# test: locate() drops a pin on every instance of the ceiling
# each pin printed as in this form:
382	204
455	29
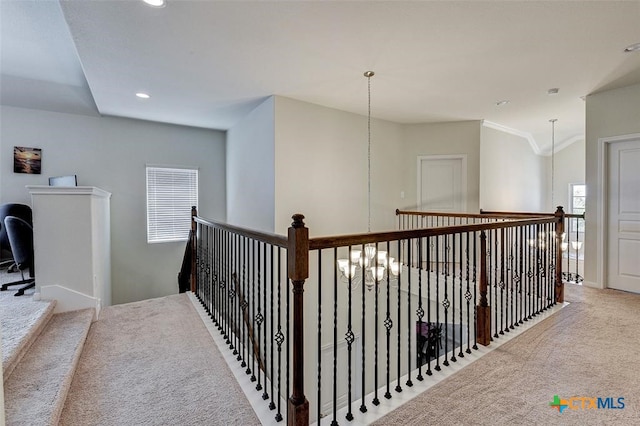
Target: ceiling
208	63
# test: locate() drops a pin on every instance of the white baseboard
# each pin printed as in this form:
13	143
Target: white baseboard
68	299
592	284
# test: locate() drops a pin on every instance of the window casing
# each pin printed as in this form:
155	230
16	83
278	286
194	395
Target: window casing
171	192
577	203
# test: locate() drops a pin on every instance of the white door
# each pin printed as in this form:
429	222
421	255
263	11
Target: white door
442	183
623	187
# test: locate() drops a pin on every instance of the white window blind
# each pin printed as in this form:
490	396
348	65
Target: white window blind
170	194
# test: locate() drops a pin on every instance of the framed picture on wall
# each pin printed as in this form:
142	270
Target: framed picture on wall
27	160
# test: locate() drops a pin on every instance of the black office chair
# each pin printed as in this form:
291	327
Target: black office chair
11	209
20	235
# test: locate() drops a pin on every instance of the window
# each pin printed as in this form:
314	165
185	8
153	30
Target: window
577	199
170	194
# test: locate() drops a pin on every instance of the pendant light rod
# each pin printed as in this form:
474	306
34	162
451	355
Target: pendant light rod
369	74
553	153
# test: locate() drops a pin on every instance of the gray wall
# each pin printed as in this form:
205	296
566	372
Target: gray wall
321	169
569	168
512	176
461	137
111	153
250	169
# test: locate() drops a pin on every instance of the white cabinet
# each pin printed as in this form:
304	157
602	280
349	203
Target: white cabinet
72	246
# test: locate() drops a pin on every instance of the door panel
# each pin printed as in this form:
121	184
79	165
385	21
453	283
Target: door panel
442	183
623	184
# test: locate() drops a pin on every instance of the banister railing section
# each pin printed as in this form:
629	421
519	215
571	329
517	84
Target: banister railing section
331	326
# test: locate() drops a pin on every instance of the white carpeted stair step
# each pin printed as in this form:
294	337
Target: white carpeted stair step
36	391
22	322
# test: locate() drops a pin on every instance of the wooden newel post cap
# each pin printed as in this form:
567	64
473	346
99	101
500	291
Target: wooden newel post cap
298	220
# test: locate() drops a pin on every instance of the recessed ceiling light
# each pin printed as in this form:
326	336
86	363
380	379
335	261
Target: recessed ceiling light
553	91
504	102
142	95
156	3
632	48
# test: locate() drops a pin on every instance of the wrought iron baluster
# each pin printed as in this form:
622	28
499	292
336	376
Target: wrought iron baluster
245	302
475	288
398	313
288	329
252	308
280	338
334	401
419	313
363	407
319	354
272	404
467	294
446	303
453	298
502	282
349	338
388	324
410	327
460	281
234	295
438	324
494	283
375	400
511	280
259	317
429	322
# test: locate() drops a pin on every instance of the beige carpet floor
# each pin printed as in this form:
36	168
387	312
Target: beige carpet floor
591	348
19	318
154	363
35	393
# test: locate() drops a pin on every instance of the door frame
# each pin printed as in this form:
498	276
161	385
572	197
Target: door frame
463	176
602	236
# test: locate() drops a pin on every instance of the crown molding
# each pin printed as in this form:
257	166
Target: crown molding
526	135
564	144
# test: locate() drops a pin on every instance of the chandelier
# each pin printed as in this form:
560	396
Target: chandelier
368	265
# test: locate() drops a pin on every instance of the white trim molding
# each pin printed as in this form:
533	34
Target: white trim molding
68	190
68	299
463	177
603	204
528	136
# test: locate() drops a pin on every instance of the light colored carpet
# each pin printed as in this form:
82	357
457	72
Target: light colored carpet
588	349
22	319
36	391
154	363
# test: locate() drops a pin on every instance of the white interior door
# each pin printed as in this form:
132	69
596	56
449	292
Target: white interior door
442	183
623	187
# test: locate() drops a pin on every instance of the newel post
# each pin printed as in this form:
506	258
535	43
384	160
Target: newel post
193	242
559	214
298	257
483	319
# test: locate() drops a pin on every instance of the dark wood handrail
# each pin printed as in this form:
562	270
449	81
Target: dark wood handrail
526	214
512	214
319	243
441	214
265	237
